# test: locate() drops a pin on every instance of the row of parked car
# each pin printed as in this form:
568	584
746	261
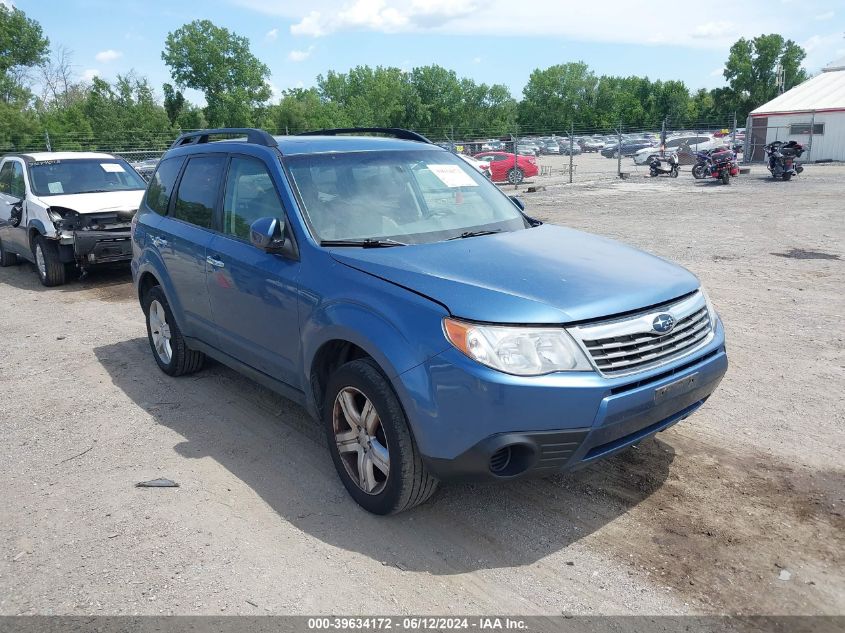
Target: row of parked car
387	287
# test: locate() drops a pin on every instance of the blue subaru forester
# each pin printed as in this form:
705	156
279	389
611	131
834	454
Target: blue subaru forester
435	330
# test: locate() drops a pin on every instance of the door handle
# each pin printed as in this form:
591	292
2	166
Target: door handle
213	261
159	242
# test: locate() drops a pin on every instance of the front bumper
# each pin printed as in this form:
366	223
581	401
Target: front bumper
471	422
96	247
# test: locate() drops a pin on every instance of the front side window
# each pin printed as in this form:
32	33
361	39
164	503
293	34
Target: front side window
197	194
409	196
12	180
162	183
83	175
250	195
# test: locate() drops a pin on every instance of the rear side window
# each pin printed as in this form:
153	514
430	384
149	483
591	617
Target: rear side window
250	195
162	183
197	194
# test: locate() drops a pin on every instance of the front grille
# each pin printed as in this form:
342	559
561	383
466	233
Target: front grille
629	345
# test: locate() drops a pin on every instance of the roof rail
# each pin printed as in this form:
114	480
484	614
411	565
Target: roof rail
396	132
254	136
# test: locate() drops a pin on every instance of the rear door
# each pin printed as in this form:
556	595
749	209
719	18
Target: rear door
254	294
182	238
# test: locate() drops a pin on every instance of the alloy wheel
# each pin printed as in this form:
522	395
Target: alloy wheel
40	261
360	439
160	332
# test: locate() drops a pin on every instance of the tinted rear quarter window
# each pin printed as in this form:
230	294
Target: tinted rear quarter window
162	183
197	194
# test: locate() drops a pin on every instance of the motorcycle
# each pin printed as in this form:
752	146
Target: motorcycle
723	165
657	168
783	157
703	164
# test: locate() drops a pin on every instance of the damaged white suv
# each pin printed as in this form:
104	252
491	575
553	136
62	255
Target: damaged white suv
66	211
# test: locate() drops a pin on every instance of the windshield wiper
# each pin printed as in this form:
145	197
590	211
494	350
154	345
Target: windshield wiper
367	243
96	191
467	234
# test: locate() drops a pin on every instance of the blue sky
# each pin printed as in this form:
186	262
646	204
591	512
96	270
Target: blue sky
487	40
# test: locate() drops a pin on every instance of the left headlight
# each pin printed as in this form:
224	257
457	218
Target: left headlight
711	311
523	351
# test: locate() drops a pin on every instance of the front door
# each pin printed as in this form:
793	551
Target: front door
254	294
12	200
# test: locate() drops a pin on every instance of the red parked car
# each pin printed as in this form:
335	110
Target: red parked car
502	169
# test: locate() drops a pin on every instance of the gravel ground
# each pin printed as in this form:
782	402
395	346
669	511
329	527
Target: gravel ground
736	510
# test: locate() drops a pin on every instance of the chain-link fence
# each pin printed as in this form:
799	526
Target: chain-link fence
545	153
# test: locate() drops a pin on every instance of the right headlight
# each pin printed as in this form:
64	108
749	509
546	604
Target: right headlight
523	351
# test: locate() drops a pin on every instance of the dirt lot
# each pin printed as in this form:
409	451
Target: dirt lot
736	510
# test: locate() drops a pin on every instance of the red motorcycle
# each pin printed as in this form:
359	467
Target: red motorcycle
723	165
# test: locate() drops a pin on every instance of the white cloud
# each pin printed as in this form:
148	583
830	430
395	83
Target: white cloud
275	90
609	21
825	16
89	74
272	35
300	56
476	60
104	57
717	72
7	3
712	30
821	50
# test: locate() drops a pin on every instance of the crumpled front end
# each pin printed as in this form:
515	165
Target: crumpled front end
93	238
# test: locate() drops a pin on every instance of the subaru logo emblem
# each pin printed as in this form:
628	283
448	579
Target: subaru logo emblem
663	323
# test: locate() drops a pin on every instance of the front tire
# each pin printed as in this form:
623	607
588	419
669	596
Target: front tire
51	270
370	441
675	171
726	177
171	353
7	258
516	176
698	171
787	176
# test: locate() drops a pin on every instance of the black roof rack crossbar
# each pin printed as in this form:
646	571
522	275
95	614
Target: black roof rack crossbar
396	132
254	136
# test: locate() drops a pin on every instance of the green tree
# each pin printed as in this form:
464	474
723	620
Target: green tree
751	70
219	63
558	97
22	46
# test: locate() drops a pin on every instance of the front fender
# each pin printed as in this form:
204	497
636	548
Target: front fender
39	226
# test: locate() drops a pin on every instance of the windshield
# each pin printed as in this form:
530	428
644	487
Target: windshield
411	197
88	175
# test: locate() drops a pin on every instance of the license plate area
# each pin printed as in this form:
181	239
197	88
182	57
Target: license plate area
687	383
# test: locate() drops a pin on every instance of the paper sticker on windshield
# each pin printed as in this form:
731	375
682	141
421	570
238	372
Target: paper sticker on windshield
452	176
55	187
112	168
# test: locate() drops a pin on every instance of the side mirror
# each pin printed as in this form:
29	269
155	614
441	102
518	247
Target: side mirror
16	214
267	234
518	202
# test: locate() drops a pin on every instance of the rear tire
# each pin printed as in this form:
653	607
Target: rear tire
7	258
365	423
787	176
698	171
515	176
675	171
51	270
171	353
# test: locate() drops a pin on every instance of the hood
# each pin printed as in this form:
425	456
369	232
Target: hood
96	202
548	274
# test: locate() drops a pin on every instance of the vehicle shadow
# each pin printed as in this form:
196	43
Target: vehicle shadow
25	277
280	453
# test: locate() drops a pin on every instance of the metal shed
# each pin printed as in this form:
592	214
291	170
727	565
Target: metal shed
812	113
